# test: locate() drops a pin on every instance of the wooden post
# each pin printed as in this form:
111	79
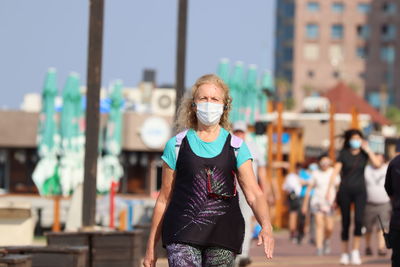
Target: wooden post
270	133
92	111
300	147
354	118
332	154
181	51
279	158
294	149
122	220
56	210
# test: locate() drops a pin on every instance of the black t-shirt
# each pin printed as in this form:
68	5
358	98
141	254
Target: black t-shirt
392	186
353	166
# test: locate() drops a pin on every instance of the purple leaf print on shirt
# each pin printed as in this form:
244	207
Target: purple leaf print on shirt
202	208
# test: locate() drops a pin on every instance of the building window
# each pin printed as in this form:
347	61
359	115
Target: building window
311	52
388	54
312	31
288	74
363	32
338	7
364	8
336	54
310	74
288	32
313	6
288	54
289	9
336	74
389	8
388	32
388	76
362	52
337	32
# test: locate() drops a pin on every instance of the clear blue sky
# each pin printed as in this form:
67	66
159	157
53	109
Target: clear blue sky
36	35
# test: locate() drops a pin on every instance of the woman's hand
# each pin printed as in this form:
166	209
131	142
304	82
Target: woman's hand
150	258
265	238
365	146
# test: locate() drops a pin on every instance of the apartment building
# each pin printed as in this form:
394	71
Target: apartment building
322	42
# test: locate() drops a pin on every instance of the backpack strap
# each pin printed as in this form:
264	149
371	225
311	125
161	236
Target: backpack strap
236	142
179	138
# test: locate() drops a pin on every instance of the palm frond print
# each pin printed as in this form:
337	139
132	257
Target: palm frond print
202	209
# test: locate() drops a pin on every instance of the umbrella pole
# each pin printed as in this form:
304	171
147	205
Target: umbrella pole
56	214
112	204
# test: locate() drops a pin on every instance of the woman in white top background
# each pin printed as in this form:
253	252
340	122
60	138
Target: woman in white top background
322	208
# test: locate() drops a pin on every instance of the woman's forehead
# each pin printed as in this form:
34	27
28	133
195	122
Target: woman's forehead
209	89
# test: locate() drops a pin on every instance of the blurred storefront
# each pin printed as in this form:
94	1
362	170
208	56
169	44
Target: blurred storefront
144	137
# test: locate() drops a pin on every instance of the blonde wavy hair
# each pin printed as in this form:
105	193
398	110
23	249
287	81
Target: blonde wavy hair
186	116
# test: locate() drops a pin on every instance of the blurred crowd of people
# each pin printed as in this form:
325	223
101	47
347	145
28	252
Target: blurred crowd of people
322	190
355	182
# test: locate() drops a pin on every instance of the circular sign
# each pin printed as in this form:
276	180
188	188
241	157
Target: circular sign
155	132
164	101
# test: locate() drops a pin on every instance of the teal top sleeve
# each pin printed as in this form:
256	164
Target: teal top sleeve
169	156
243	155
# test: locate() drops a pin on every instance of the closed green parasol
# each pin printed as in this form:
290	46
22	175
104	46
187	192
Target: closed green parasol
267	89
110	165
45	174
236	84
249	96
71	162
223	70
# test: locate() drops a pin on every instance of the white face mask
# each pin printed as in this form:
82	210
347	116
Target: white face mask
209	113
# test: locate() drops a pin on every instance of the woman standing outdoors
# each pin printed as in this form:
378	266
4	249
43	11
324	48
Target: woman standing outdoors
351	163
197	212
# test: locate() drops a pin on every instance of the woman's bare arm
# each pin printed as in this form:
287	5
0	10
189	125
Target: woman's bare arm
371	155
336	170
168	178
258	203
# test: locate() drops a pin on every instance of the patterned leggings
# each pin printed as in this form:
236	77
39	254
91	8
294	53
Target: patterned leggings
183	255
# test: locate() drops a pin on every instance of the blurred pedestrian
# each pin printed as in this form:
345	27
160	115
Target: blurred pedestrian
378	204
351	163
392	186
322	208
305	220
259	167
292	186
197	211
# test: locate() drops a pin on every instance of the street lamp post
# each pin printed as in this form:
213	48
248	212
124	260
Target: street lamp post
181	51
92	111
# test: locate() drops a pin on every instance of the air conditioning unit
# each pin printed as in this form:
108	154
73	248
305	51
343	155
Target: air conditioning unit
163	101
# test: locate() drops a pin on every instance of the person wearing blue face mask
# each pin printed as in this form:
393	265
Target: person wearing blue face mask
350	164
197	212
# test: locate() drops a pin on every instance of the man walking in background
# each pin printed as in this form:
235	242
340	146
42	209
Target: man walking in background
392	186
259	167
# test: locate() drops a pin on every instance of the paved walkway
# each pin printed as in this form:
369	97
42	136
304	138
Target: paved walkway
289	254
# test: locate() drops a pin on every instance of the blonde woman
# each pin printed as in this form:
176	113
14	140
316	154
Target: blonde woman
197	212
